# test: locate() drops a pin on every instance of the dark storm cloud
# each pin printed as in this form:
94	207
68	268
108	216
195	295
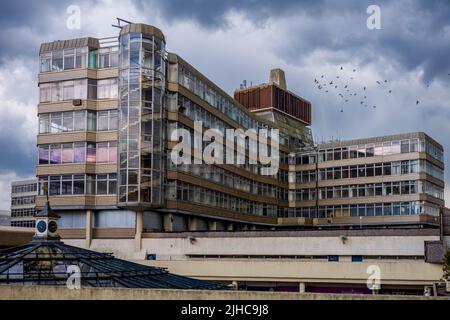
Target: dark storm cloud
412	33
23	22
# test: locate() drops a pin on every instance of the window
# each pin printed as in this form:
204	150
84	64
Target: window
44	154
102	152
67	122
113	120
102	184
113	152
57	61
102	121
69	59
404	146
67	153
55	186
78	184
79	152
55	154
66	185
56	123
44	123
46	62
79	121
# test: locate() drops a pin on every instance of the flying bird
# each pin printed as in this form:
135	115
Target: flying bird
417	102
364	88
342	68
374	107
378	82
354	70
331	82
390	91
385	81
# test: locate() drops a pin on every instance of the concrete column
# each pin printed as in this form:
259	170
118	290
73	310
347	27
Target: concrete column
230	226
89	227
235	285
193	223
212	225
139	231
302	287
168	222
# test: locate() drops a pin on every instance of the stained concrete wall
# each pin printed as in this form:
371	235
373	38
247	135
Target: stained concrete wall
87	293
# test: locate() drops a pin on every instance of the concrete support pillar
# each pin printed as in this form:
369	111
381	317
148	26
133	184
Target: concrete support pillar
193	223
235	285
89	227
212	225
168	222
253	228
302	287
230	226
139	231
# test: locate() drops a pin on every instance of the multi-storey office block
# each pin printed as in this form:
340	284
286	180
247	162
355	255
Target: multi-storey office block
23	203
107	113
392	180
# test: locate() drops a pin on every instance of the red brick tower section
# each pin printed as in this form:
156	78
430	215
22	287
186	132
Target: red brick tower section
275	95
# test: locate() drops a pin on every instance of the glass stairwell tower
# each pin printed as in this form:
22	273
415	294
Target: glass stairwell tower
142	79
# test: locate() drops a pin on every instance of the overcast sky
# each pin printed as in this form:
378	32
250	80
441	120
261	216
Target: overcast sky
230	41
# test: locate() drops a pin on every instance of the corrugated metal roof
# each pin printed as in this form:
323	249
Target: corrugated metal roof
70	44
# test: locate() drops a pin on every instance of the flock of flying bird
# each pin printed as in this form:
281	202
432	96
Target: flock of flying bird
342	85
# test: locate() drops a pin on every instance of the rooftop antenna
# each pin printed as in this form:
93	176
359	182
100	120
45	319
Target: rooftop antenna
245	83
119	23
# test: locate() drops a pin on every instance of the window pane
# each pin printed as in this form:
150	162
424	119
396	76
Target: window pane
66	186
79	153
44	123
102	187
90	153
67	122
57	61
55	154
43	154
55	186
102	152
56	122
113	120
80	121
113	152
69	62
67	153
102	123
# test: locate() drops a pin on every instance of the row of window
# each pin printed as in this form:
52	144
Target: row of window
231	180
368	150
209	120
80	184
238	155
73	121
368	170
78	152
19	213
20	201
23	224
366	210
187	192
24	188
385	189
215	99
79	89
79	58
